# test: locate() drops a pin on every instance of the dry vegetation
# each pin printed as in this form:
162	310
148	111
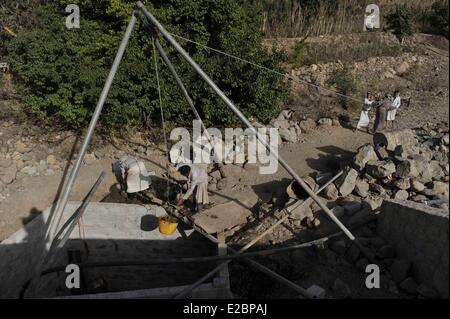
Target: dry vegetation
294	18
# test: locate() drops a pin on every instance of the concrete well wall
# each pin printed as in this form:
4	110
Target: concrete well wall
421	235
109	232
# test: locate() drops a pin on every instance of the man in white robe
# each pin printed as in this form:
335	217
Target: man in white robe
197	183
132	175
397	102
364	119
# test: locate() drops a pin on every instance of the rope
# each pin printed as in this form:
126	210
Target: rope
290	77
162	115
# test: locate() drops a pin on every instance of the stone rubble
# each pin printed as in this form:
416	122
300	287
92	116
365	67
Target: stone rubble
417	172
410	165
24	156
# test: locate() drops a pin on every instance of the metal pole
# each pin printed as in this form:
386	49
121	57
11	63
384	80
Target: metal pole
58	242
186	260
73	220
250	244
68	188
180	85
241	116
252	263
55	219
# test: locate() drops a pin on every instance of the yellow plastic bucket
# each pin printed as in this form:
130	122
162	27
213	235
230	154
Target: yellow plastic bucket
167	225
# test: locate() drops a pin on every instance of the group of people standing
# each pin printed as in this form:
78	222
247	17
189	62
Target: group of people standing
386	111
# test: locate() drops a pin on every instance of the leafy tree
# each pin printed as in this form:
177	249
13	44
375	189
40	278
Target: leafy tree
61	72
300	51
438	17
401	21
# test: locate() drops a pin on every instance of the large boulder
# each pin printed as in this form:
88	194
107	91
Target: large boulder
402	183
380	169
440	188
377	188
424	170
401	195
289	135
331	192
417	186
445	139
281	124
362	188
406	169
347	182
436	170
391	140
308	125
364	155
381	153
373	202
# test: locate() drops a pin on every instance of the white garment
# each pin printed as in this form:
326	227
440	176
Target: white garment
364	119
133	173
396	103
197	177
181	153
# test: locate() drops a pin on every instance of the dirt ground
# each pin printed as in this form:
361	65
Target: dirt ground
40	192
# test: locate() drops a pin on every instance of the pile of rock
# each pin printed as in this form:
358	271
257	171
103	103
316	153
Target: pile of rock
22	156
375	68
224	177
404	165
291	131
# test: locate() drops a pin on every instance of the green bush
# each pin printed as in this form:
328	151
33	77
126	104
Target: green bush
401	21
61	72
299	54
345	83
438	18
